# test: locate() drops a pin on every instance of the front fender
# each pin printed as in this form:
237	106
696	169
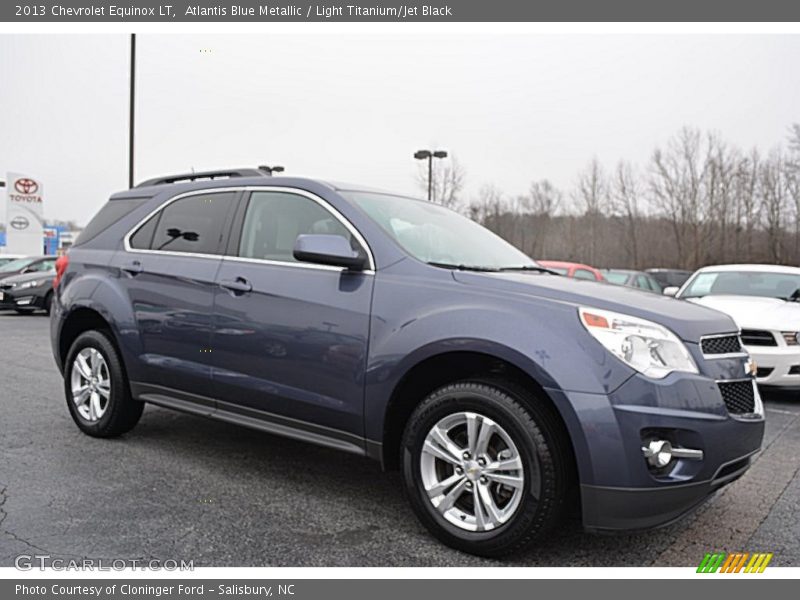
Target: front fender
542	338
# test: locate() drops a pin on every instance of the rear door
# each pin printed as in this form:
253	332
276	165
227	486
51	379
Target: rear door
290	338
169	270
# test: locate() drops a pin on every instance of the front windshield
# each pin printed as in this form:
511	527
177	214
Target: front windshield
16	265
437	235
616	277
785	286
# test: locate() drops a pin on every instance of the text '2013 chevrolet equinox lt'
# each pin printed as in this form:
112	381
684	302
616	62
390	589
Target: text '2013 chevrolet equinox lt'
400	330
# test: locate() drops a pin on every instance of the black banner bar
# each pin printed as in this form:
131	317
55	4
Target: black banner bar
730	588
174	11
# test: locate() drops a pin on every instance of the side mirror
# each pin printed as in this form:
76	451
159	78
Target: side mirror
325	249
671	291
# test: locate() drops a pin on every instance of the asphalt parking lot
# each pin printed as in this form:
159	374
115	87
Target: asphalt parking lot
183	487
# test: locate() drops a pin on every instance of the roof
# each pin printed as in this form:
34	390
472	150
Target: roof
181	186
753	267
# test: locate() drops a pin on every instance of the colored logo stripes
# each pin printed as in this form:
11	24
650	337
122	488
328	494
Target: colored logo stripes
734	562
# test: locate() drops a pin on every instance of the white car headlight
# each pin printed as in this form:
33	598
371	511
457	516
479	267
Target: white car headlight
648	347
29	284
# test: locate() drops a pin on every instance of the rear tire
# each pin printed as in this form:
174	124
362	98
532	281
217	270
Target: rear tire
496	511
96	388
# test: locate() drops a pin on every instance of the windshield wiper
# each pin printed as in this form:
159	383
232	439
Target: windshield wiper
463	267
530	268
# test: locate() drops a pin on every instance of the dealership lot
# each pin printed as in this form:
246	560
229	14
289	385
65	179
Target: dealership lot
182	487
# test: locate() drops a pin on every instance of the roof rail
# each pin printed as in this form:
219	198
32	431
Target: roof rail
261	171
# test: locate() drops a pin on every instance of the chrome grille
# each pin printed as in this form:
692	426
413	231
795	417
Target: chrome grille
721	344
756	337
739	396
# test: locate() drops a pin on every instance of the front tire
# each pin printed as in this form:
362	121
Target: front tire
96	387
485	467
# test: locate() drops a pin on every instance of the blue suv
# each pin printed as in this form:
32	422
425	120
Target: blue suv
400	330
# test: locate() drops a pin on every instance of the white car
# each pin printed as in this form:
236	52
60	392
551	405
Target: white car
764	300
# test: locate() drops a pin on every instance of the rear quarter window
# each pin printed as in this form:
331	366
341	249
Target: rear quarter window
113	211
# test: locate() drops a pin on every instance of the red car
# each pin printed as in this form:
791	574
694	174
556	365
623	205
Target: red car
571	269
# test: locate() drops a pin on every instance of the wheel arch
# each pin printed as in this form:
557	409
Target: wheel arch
437	369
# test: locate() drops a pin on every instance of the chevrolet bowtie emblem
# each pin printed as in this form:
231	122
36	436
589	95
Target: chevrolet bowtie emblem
750	368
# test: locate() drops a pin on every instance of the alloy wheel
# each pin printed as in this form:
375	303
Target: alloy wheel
473	473
91	384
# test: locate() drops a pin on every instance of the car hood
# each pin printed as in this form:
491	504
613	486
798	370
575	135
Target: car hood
685	319
17	279
752	312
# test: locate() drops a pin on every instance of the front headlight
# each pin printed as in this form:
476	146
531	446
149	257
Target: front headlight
29	284
648	347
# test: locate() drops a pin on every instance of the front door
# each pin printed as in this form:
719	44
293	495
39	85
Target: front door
290	338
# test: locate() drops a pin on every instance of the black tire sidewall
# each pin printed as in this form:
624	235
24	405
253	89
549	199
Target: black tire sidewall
524	430
106	425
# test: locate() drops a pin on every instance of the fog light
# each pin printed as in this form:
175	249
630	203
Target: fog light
659	453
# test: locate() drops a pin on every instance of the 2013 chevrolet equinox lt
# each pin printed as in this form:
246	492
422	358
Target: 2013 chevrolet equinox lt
398	329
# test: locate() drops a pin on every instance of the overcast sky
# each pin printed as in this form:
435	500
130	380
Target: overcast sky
512	108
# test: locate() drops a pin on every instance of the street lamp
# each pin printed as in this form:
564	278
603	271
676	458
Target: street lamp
430	155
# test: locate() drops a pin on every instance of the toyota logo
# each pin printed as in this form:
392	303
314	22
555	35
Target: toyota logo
19	223
26	186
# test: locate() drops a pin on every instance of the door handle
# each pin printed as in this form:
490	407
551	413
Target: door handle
238	286
133	268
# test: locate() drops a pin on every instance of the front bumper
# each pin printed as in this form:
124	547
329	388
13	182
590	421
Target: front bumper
619	490
783	363
26	299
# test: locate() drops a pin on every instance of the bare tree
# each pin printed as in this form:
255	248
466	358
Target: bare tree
793	184
447	181
772	184
542	203
592	195
626	201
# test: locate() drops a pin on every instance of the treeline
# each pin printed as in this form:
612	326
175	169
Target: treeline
697	200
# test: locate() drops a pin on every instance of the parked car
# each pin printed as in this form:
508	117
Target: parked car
27	293
764	300
7	258
28	264
669	277
635	279
571	269
400	330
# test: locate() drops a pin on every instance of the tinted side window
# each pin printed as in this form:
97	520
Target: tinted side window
112	212
274	220
584	274
143	238
193	224
44	265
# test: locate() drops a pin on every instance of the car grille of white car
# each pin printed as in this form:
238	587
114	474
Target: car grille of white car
757	337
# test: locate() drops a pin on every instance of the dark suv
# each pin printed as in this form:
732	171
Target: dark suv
400	330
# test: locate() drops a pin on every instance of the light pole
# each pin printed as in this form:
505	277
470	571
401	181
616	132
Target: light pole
132	114
430	155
